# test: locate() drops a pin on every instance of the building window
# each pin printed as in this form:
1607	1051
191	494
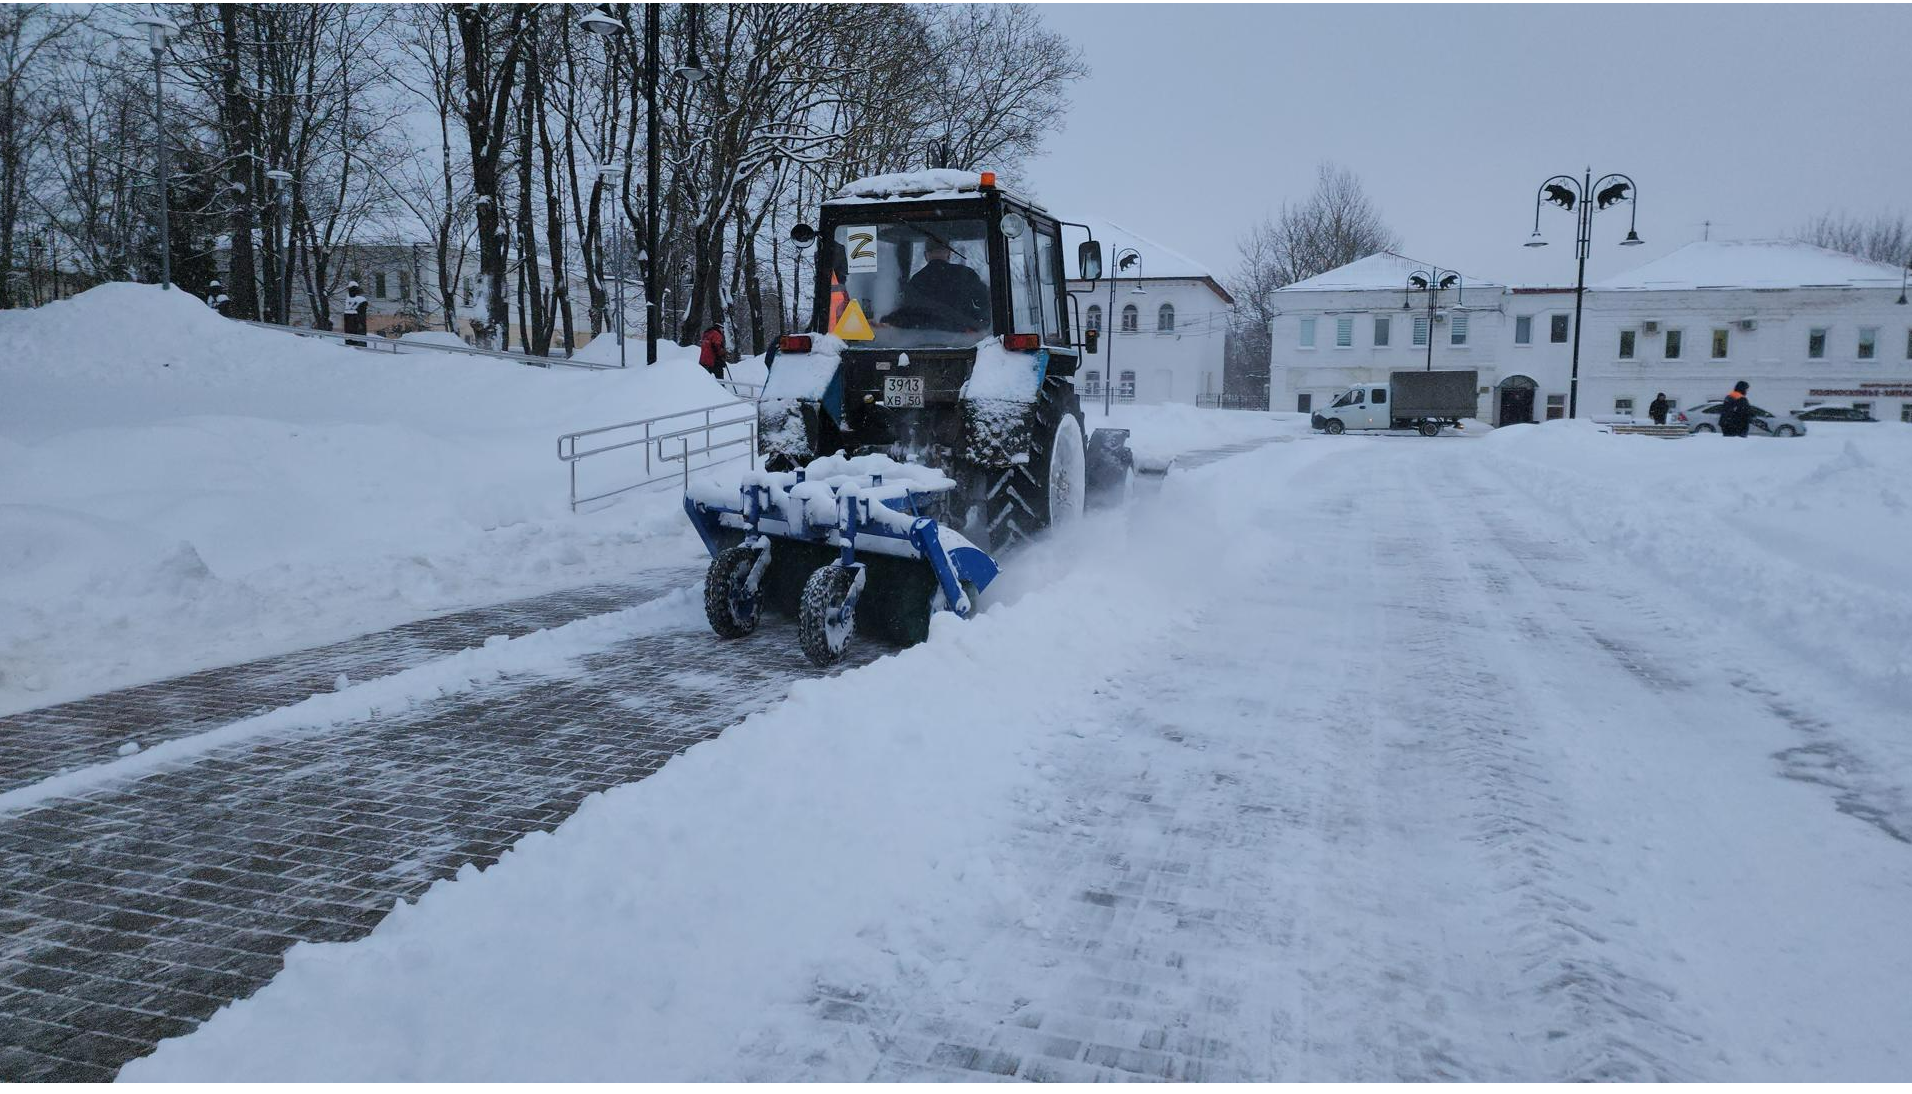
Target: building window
1908	344
1129	315
1719	343
1344	332
1307	334
1816	343
1905	412
1673	345
1457	330
1863	408
1125	391
1557	332
1420	330
466	291
378	284
1626	345
1165	317
1623	406
404	285
1093	321
1868	343
1092	382
1304	403
1382	323
1523	330
1556	407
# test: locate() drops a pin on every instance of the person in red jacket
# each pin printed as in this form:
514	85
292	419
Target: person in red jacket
712	354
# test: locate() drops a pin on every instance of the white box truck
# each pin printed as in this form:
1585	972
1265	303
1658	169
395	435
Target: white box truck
1409	400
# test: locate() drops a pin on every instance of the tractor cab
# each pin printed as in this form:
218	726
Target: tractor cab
944	336
942	260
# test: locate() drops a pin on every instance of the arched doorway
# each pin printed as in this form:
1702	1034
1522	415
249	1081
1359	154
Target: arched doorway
1516	400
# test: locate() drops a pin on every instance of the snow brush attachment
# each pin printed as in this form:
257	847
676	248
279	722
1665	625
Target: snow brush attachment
846	545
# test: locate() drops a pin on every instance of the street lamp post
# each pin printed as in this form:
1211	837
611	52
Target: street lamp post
610	172
158	29
608	28
1583	196
282	202
1121	260
1431	281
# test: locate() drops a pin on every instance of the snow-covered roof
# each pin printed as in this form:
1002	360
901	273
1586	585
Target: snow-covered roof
1380	270
1755	264
1158	263
914	184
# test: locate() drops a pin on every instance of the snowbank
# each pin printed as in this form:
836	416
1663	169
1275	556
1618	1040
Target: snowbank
1805	538
1159	432
178	490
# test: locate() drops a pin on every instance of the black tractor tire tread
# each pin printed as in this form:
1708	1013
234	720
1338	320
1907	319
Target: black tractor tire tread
730	568
1017	503
826	588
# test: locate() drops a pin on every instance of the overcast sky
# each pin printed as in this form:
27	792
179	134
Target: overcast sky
1197	120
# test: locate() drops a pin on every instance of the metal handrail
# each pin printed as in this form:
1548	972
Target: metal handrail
379	341
653	439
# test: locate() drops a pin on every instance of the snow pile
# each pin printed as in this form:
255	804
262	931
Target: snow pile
1803	538
913	184
440	338
179	490
1004	375
1160	432
805	375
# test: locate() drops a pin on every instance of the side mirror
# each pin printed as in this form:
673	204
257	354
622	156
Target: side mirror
1090	340
1089	260
804	236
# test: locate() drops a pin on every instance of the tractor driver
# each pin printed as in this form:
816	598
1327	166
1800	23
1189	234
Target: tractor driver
949	295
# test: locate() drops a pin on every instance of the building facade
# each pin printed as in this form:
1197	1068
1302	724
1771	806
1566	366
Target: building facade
1163	323
1802	325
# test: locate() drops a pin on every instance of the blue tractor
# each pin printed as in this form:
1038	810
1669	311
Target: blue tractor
926	427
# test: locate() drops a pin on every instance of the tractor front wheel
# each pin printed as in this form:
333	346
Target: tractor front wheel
731	604
827	614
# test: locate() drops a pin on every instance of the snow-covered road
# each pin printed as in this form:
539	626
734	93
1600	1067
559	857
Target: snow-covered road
1341	759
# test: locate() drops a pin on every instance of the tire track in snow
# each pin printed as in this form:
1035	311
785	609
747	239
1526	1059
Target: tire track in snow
1604	1018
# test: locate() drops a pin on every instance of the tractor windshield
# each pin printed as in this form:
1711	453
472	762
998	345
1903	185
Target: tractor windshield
906	284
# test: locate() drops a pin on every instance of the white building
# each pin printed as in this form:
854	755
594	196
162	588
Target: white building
1803	325
1359	322
1170	321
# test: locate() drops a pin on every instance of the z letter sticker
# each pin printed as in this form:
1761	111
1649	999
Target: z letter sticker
861	243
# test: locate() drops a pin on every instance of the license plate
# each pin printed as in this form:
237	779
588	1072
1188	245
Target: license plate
902	391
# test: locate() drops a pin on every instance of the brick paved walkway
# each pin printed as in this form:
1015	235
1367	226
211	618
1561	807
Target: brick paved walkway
40	743
130	914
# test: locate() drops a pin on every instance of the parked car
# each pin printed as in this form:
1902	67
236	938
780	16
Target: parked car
1833	414
1704	418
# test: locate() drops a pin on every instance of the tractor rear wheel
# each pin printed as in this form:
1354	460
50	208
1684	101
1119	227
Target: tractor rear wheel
1050	486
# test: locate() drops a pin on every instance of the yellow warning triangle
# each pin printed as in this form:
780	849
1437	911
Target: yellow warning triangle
851	326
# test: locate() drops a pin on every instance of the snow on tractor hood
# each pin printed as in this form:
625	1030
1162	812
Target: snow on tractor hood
805	375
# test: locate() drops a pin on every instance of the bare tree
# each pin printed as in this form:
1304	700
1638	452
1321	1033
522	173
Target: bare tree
1883	238
1336	225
